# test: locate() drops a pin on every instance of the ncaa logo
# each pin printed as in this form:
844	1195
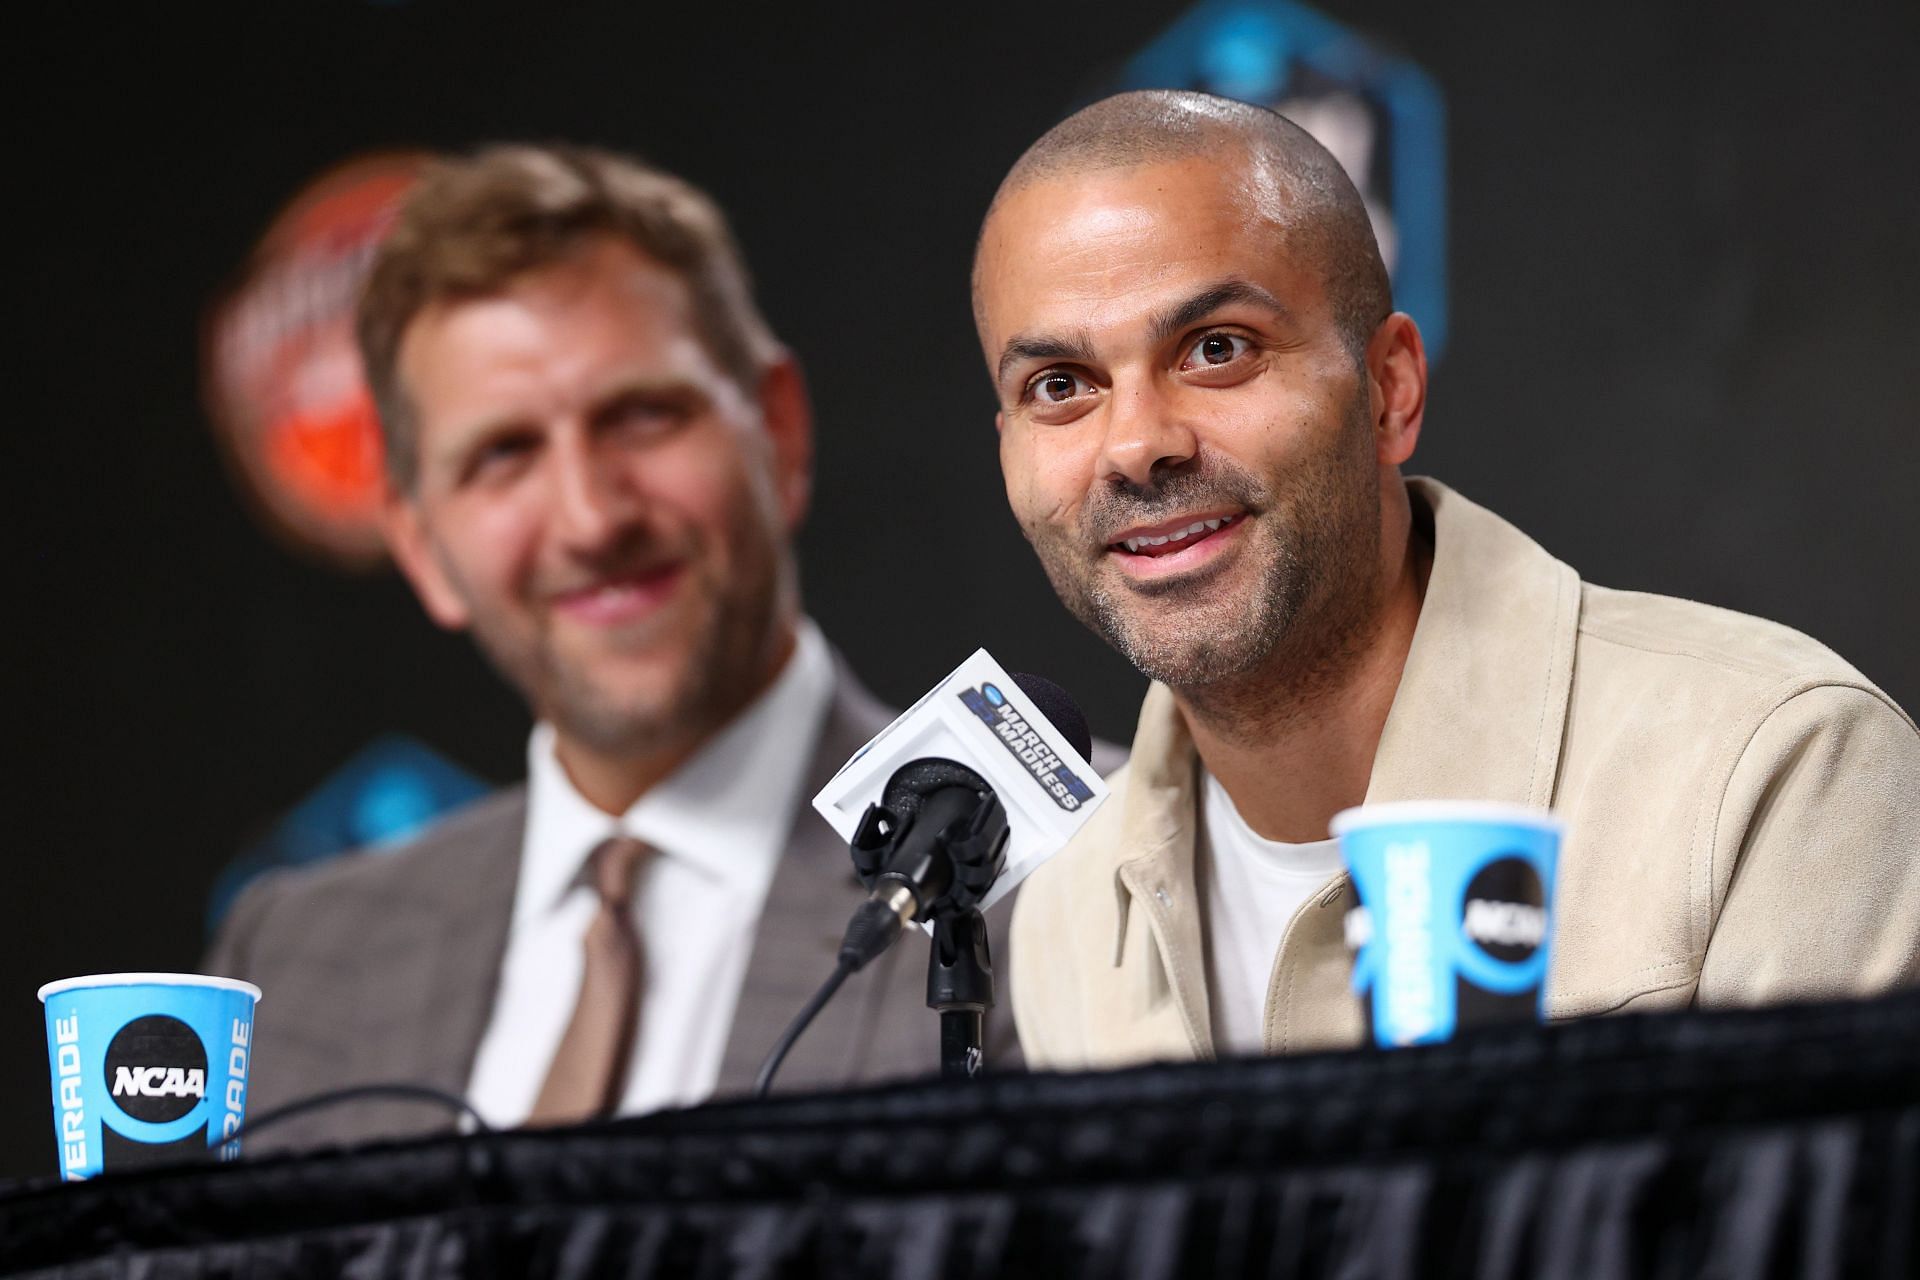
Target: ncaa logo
156	1069
1505	912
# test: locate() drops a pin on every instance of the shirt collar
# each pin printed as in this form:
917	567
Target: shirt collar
725	813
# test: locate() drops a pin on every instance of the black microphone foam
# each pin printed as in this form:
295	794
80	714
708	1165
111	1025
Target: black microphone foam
1053	702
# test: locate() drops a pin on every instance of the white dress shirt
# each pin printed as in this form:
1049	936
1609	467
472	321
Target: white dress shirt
1253	887
719	825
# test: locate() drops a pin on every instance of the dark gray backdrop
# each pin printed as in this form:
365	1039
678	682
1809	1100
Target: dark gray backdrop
1683	355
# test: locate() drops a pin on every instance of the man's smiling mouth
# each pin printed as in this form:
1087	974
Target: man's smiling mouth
618	598
1164	540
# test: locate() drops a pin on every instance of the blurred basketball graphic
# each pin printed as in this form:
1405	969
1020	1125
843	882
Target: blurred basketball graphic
281	375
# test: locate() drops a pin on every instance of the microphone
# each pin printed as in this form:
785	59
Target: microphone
1020	739
935	842
1053	702
944	812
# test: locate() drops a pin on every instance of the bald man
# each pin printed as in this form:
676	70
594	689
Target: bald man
1206	399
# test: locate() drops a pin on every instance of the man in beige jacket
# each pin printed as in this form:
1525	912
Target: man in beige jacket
1206	399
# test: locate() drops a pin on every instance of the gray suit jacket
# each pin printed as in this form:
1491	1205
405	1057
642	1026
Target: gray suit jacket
382	967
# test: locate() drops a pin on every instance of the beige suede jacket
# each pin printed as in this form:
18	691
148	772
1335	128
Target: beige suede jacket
1742	809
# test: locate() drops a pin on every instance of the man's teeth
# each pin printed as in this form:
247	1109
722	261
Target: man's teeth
1181	535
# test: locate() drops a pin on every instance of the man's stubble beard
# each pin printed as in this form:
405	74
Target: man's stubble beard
1266	654
724	666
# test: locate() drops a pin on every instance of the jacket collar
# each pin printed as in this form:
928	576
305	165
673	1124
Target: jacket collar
1482	704
1479	714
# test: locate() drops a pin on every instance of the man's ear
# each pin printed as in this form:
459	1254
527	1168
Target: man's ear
407	542
788	416
1397	383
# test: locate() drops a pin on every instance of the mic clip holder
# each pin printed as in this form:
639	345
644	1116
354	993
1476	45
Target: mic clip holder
940	834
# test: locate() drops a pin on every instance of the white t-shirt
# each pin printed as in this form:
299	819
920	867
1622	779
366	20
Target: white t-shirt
1252	887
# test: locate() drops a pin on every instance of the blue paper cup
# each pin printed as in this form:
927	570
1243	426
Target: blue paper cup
1455	923
148	1068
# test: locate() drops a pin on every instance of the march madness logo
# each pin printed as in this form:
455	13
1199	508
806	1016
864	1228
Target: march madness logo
1025	744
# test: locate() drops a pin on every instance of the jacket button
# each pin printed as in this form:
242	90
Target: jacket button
1165	900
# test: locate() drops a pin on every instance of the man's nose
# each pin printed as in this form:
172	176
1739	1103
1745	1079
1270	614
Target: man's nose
593	500
1145	431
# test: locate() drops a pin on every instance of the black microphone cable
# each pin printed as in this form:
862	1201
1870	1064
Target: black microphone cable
949	866
771	1067
354	1093
875	924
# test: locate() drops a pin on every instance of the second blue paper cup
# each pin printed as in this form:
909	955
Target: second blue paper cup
1455	923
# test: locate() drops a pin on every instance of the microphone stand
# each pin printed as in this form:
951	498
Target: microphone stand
929	850
941	825
960	988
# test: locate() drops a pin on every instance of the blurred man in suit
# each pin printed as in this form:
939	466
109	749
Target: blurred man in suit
599	456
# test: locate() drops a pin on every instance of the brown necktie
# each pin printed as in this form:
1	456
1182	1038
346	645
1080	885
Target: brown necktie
590	1066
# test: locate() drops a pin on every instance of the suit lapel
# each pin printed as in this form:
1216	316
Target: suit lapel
461	898
814	890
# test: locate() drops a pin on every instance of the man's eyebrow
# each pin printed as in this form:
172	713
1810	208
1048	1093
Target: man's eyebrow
1170	323
641	386
1038	346
458	447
